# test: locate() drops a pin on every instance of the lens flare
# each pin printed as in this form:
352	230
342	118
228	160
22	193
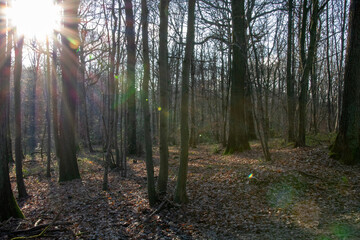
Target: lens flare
34	19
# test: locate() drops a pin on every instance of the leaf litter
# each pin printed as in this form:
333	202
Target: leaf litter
301	194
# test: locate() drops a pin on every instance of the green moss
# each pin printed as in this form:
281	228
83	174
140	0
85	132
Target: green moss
323	238
11	210
320	139
228	151
334	155
16	210
343	231
216	149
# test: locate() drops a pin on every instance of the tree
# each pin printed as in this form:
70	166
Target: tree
238	140
193	137
7	63
54	97
180	191
85	130
289	77
19	43
347	144
340	65
111	96
259	115
177	23
68	167
48	108
164	100
131	61
145	102
306	63
8	205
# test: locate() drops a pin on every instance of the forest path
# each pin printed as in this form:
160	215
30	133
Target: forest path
301	194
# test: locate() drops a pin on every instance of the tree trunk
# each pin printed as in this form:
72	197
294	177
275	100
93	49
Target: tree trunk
289	78
85	129
226	97
154	116
223	100
54	98
164	104
328	73
314	93
340	69
117	94
307	63
347	144
259	115
177	76
48	110
180	190
32	101
111	97
8	205
250	126
145	102
7	77
19	43
131	61
314	84
68	167
192	141
238	140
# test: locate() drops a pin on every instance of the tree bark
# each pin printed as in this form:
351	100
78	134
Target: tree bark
85	129
223	98
259	114
117	94
176	93
19	43
289	78
180	190
8	205
192	140
164	100
347	144
238	139
307	66
314	93
68	167
131	61
32	109
48	110
111	97
54	98
340	68
146	110
250	126
7	77
328	73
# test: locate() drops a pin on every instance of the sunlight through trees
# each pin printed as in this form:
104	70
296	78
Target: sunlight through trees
126	110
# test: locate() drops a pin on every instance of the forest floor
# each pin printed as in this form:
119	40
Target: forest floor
301	194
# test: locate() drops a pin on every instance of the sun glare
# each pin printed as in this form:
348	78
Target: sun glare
36	18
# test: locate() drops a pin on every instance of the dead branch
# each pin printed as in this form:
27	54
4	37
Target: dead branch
36	228
160	207
42	232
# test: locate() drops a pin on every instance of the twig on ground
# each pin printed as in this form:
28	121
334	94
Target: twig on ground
160	207
38	227
41	233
